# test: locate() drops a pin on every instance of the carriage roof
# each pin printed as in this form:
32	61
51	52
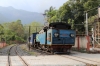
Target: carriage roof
60	25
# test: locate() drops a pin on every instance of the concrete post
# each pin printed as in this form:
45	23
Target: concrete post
88	43
78	46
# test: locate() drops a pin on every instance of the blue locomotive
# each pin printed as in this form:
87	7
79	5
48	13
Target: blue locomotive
57	37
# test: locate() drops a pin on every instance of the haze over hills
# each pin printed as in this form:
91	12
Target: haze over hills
9	14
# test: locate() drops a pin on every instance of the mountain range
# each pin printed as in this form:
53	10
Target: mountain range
9	14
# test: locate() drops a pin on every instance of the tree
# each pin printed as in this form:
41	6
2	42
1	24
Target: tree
17	27
51	14
13	30
34	27
90	4
1	32
73	12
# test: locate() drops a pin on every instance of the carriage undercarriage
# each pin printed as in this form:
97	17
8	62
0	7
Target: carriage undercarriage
53	48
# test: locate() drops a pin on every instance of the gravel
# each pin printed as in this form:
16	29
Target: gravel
32	52
22	52
4	51
40	58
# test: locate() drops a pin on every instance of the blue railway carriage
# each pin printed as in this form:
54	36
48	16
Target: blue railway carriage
32	40
57	37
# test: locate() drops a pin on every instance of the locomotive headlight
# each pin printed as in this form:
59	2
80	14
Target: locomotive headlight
56	34
72	35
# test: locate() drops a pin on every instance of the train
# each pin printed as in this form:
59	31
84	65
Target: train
56	37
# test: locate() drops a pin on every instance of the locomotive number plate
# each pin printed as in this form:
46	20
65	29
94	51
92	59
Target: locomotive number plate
63	34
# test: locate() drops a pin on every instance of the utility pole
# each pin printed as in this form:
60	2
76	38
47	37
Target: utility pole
29	36
36	29
87	19
86	23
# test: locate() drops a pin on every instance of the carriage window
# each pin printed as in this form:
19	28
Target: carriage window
49	34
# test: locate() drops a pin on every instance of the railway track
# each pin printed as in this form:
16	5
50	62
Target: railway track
9	57
87	62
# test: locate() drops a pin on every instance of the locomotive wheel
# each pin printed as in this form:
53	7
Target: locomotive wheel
48	48
36	45
64	50
41	47
68	51
51	51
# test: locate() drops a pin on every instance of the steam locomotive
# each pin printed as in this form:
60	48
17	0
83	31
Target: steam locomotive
57	37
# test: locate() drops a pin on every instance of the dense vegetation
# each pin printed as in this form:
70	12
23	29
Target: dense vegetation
16	32
73	12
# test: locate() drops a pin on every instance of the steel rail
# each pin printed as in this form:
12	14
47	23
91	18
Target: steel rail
86	59
26	64
73	58
9	60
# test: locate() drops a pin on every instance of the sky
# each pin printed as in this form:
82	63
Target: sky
32	5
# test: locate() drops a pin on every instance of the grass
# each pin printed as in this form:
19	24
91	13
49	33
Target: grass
32	53
24	47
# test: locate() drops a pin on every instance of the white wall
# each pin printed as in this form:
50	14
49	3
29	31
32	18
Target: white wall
82	42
